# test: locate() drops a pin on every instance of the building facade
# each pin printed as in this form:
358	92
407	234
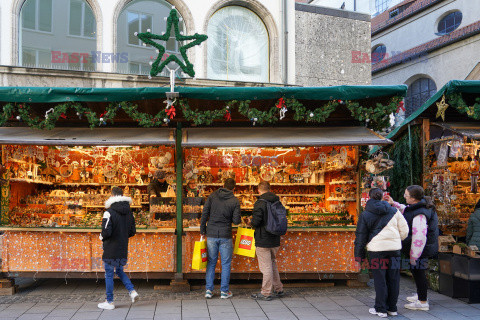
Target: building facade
94	43
424	44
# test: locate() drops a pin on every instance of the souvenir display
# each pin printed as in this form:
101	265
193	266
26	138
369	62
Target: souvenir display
318	186
68	186
452	168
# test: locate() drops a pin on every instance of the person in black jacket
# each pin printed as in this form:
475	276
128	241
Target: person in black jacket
221	209
158	184
381	229
267	245
422	241
118	225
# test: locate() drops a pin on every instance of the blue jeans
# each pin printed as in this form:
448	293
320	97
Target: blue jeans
109	272
225	247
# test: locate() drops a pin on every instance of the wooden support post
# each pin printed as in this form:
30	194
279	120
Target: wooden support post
425	137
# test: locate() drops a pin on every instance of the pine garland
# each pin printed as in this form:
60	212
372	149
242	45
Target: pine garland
376	118
456	100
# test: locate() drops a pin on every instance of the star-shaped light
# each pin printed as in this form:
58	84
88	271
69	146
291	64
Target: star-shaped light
158	65
442	107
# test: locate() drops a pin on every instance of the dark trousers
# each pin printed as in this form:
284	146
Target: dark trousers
385	267
420	276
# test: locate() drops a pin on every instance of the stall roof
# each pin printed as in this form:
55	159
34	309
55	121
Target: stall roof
61	94
453	86
85	137
285	137
467	129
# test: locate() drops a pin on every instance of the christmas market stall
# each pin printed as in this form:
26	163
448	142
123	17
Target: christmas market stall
439	147
63	148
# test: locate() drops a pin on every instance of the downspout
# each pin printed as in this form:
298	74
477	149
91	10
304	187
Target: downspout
285	41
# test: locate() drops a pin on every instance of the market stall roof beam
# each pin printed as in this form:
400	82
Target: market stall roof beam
467	129
88	137
284	137
63	94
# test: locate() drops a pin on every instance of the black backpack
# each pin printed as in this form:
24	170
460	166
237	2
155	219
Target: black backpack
277	218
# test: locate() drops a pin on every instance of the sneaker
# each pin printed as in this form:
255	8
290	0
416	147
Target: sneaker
380	314
106	305
259	296
225	295
279	294
134	296
413	298
208	294
417	305
392	313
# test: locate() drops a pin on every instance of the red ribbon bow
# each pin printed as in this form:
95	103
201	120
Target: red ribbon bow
227	116
280	103
171	112
63	116
401	106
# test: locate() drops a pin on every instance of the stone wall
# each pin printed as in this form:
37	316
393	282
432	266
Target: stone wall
325	40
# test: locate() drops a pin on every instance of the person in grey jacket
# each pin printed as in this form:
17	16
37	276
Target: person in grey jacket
221	209
473	228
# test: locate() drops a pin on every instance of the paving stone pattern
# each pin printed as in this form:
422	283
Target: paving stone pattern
60	299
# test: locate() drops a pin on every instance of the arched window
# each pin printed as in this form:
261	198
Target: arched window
378	53
450	22
59	34
237	46
140	16
418	93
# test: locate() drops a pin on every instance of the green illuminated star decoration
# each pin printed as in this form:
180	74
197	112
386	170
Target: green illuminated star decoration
158	65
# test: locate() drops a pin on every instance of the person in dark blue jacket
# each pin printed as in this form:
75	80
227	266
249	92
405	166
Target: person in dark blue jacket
380	230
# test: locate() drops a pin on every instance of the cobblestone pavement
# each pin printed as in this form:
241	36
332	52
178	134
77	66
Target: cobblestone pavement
77	299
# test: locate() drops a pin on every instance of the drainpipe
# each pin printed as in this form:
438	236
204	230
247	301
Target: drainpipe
285	41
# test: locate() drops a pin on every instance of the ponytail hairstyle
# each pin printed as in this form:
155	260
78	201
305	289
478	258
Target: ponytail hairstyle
376	194
418	193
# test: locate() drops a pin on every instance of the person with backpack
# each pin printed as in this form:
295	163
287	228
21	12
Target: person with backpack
270	222
380	230
221	209
422	241
118	225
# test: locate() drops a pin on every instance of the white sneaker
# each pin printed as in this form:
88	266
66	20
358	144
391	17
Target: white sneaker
208	294
392	313
106	305
380	314
417	305
134	296
413	298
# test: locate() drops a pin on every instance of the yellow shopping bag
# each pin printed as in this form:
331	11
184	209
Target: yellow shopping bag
199	259
245	243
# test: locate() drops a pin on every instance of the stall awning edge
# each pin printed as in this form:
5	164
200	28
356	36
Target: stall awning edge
283	137
88	137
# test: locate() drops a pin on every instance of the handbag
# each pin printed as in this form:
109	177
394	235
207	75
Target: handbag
199	259
245	242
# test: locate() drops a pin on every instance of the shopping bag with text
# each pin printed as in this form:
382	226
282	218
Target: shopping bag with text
245	243
199	259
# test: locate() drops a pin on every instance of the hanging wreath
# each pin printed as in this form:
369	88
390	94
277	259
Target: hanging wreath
376	118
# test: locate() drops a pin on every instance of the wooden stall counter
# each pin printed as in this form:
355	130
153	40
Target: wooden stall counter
316	251
50	250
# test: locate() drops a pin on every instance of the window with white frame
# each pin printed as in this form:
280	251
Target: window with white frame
37	15
140	16
381	5
238	46
137	22
82	21
43	44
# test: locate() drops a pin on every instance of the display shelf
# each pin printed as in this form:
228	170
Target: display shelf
80	229
271	184
104	206
299	203
76	183
341	199
343	182
319	214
